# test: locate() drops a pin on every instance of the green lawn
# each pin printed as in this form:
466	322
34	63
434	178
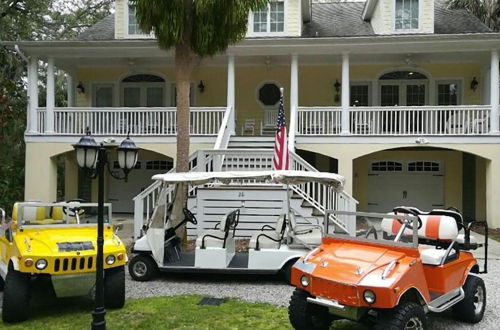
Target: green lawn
180	312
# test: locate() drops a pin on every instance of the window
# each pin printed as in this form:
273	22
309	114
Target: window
360	95
269	94
387	166
133	27
158	165
448	93
102	96
270	19
143	90
423	166
407	12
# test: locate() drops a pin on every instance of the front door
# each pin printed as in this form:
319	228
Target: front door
145	95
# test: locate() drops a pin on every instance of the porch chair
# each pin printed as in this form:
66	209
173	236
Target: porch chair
248	126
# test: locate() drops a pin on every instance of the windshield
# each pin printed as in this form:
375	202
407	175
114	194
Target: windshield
51	214
383	228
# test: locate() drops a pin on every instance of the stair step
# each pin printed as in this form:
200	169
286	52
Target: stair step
317	213
306	204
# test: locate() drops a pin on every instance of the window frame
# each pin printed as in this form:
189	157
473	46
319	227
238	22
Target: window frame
420	16
458	81
362	83
126	28
268	33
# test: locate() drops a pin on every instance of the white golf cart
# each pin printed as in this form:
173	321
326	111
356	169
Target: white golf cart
271	249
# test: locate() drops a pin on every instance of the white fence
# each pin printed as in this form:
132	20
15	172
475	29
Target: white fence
425	120
136	121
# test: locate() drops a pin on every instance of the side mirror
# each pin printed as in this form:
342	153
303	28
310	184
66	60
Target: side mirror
118	227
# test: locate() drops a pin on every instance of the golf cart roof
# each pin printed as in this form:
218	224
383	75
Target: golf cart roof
285	177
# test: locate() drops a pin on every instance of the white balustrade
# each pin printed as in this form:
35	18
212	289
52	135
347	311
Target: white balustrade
425	120
133	121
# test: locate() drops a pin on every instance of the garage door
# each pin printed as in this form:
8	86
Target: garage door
413	183
121	192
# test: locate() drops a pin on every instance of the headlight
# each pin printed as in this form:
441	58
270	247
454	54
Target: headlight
28	262
369	296
304	280
41	264
110	259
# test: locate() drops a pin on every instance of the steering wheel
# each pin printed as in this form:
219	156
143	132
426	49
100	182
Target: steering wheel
190	216
74	211
409	211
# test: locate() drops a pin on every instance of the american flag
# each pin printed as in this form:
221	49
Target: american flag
281	157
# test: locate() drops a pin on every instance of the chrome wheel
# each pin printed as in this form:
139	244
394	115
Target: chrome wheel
414	323
140	269
478	300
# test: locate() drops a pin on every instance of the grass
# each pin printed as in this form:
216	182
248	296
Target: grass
179	312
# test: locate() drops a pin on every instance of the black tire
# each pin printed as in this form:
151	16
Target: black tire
16	297
401	317
286	271
2	284
142	268
307	316
114	287
471	308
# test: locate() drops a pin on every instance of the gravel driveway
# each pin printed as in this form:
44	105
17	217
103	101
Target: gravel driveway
271	290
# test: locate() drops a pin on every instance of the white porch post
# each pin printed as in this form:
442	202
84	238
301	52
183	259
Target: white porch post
294	100
32	95
49	115
71	90
345	94
231	93
494	93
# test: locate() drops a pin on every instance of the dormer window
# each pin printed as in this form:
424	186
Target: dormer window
132	27
407	15
269	20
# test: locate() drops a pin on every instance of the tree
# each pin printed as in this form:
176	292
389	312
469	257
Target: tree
195	28
488	11
32	20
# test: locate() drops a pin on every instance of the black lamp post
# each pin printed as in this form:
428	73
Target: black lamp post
92	156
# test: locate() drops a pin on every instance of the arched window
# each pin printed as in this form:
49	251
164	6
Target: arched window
143	90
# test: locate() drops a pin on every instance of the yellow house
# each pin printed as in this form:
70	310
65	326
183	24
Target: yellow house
401	97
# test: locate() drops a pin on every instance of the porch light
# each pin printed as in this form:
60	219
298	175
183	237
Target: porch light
337	86
201	86
473	84
127	154
86	151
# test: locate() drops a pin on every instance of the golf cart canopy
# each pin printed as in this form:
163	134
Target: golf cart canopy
285	177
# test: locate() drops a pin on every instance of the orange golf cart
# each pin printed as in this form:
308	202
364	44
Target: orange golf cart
421	263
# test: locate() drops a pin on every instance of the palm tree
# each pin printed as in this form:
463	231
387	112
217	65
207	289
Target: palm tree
195	29
488	11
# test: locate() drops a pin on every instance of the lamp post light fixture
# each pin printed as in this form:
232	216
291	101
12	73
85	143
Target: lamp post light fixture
92	156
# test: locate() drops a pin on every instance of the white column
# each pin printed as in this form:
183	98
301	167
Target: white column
32	95
231	92
494	93
71	90
345	94
294	100
49	115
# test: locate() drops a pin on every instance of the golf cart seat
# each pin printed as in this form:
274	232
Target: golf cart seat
221	234
269	239
434	229
308	234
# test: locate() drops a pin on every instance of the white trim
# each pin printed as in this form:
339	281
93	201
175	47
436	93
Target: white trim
363	82
250	31
408	31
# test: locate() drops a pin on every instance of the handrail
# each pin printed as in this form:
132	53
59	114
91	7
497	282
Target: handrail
224	133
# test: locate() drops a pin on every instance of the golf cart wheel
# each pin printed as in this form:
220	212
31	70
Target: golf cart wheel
142	268
114	287
306	316
471	308
16	297
286	271
408	315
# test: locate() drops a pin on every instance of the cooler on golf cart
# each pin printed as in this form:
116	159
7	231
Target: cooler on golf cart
422	264
271	249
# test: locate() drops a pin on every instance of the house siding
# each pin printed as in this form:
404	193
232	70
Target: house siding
120	12
293	18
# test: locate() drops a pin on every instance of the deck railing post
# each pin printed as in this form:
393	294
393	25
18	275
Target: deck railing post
345	94
494	92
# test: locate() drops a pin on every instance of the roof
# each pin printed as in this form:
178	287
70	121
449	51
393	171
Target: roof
337	19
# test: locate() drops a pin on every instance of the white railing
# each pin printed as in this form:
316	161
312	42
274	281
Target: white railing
424	120
136	121
223	137
319	121
318	195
